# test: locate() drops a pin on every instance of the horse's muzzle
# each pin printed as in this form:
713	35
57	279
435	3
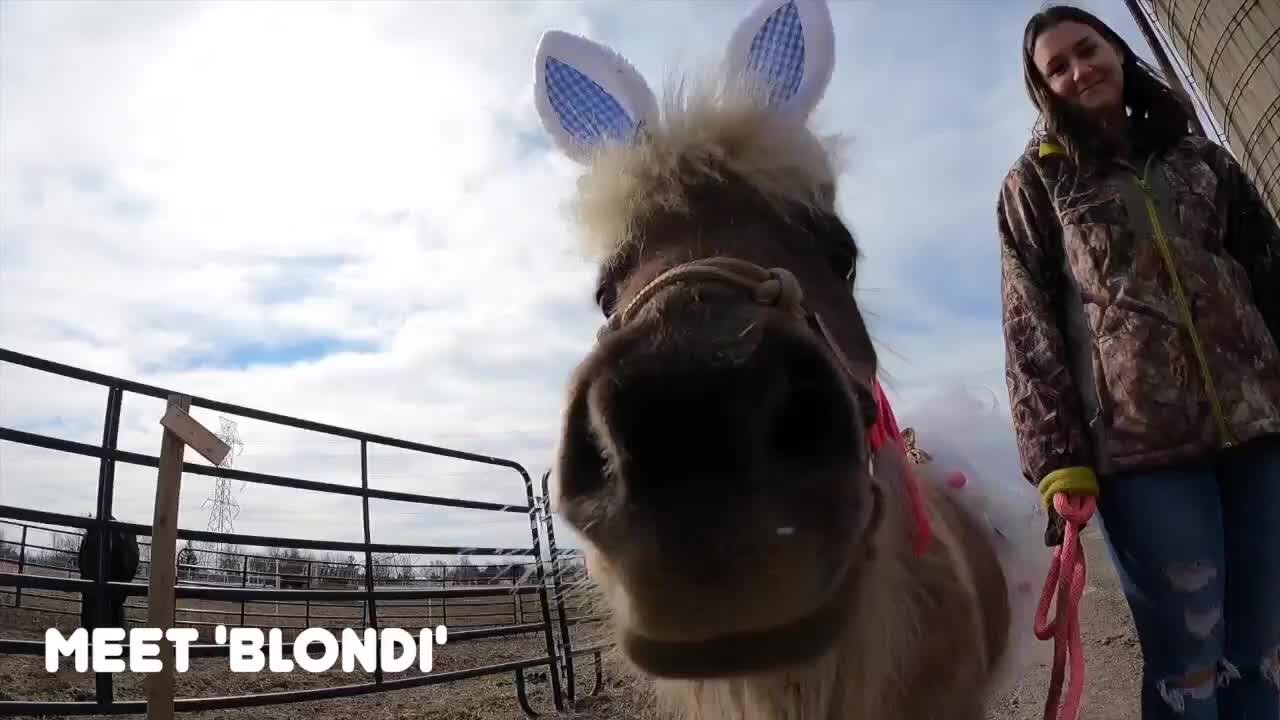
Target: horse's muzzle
713	454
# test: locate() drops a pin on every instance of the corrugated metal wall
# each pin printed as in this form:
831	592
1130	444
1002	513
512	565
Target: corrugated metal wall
1232	48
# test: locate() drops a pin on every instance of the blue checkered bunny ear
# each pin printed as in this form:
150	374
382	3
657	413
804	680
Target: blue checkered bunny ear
588	95
790	46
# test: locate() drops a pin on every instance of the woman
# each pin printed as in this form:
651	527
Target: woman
1141	295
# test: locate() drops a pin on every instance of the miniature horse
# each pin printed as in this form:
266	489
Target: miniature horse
726	453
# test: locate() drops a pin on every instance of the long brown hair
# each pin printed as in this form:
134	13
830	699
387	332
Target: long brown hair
1160	115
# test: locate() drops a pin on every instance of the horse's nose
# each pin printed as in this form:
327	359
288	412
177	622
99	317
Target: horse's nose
700	399
713	450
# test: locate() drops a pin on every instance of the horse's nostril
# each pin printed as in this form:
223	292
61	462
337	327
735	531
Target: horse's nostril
812	426
583	462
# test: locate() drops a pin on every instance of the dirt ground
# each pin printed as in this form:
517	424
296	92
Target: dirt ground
1113	661
1111	682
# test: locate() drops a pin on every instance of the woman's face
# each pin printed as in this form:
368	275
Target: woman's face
1081	68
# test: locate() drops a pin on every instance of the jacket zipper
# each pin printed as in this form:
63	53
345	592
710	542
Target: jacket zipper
1167	254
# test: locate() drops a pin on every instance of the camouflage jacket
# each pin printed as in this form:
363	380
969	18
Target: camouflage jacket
1141	309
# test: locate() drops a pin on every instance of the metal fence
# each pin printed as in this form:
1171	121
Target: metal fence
543	582
27	555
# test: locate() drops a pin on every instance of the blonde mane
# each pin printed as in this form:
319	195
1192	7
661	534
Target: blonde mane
715	131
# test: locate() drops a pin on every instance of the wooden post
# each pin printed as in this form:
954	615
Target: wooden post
180	430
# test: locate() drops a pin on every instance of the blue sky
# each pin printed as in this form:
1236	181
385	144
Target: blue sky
349	213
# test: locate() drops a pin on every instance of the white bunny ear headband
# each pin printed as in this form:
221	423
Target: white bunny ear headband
588	95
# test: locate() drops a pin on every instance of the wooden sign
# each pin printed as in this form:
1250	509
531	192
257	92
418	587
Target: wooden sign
193	434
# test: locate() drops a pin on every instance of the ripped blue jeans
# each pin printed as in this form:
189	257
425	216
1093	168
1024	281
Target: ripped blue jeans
1197	547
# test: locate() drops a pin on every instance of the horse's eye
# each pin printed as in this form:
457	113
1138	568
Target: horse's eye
844	265
838	242
612	276
606	296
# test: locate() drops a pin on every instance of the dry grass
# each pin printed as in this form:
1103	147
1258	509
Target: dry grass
482	698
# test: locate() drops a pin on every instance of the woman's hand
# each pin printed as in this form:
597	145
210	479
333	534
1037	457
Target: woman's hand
1054	529
1073	481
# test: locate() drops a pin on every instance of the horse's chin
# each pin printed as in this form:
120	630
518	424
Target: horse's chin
744	652
728	605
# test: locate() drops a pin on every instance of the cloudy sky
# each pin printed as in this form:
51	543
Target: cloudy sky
349	213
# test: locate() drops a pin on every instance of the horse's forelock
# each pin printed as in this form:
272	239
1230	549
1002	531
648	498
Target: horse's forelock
709	133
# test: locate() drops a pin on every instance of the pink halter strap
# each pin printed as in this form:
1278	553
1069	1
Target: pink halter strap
884	431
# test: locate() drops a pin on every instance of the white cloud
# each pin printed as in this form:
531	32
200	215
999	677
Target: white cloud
183	187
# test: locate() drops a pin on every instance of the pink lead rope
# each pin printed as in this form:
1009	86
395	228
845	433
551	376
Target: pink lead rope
1067	577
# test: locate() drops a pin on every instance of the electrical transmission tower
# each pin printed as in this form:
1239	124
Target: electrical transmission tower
223	507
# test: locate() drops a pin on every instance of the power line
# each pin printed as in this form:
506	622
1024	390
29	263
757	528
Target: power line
224	508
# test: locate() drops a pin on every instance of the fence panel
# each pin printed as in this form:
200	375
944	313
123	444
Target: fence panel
47	574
